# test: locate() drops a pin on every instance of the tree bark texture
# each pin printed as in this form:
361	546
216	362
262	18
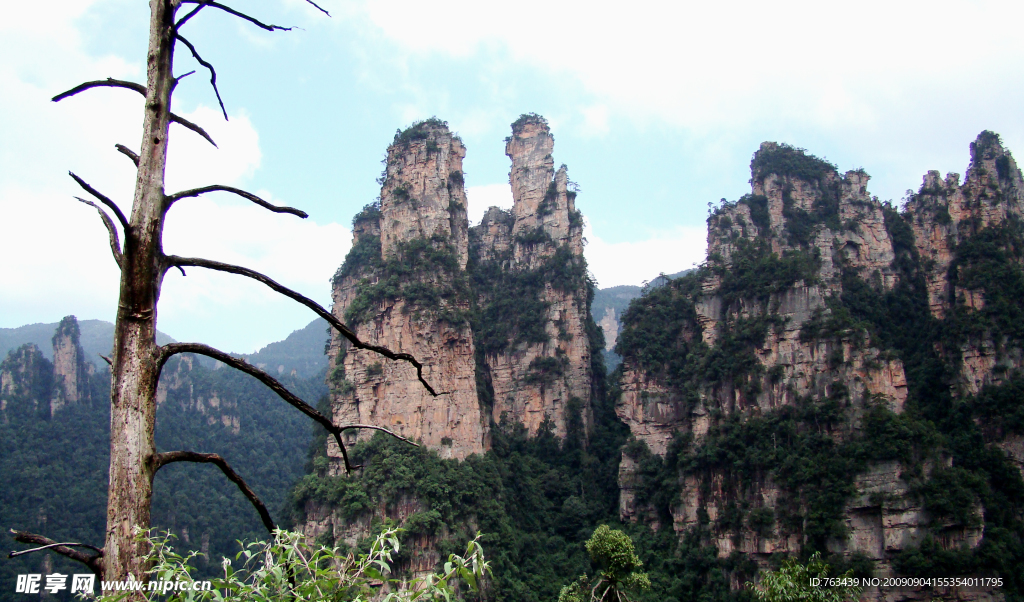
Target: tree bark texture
135	369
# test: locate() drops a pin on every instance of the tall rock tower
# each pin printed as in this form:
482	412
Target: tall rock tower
28	379
70	370
498	314
970	235
404	286
533	293
775	260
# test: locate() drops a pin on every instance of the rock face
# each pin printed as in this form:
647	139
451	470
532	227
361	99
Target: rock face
409	292
70	370
945	214
610	327
498	314
421	548
773	340
26	374
790	361
178	385
536	349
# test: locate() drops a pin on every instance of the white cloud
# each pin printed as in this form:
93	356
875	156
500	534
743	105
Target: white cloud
234	312
702	65
482	198
668	252
59	260
595	121
193	162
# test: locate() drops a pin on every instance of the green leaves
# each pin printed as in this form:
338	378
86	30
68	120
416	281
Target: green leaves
793	582
289	568
613	552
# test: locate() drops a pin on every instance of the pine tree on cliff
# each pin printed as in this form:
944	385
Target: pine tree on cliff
137	359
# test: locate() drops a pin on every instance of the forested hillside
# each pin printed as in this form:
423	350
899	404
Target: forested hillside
54	467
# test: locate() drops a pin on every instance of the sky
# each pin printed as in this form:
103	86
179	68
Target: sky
656	108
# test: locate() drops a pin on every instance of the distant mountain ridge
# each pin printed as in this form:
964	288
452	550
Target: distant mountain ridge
302	351
97	337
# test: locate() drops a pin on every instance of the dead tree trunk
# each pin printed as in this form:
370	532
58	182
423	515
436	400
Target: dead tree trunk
135	371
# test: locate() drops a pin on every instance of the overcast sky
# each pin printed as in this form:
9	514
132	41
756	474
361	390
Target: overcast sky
656	107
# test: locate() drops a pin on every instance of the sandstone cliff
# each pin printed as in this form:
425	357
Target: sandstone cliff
404	286
180	386
533	292
70	370
774	400
498	314
27	375
981	214
775	258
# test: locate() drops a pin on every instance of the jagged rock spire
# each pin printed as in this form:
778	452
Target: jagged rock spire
404	286
70	370
423	195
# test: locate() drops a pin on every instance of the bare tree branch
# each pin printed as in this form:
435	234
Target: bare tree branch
117	83
64	549
115	244
241	365
127	152
191	14
175	261
240	15
195	128
106	359
54	545
209	67
103	83
242	193
319	8
103	199
183	76
371	427
159	460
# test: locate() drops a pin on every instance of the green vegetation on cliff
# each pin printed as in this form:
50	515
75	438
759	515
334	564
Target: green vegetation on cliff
786	160
662	333
425	273
536	500
512	309
945	443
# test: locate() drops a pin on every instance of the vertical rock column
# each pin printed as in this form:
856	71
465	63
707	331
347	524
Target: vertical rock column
541	241
404	286
944	215
70	370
